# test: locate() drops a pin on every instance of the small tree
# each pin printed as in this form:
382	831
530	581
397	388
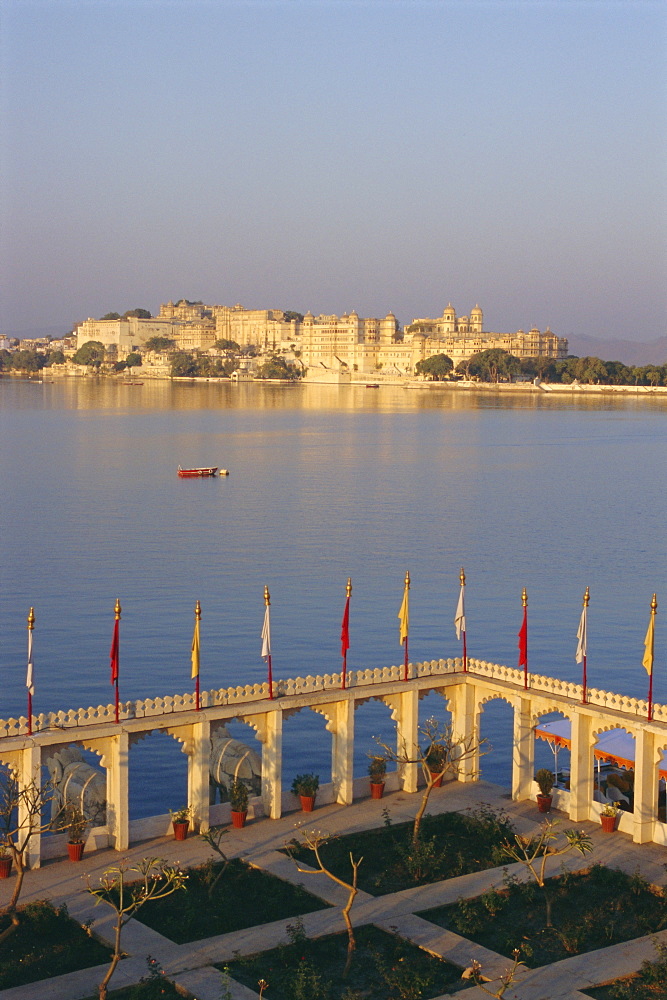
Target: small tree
438	367
534	852
314	840
157	881
213	838
440	747
21	817
505	980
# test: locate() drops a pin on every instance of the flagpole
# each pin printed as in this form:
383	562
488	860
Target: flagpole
587	597
462	578
524	628
31	625
197	620
116	642
654	607
407	626
345	633
267	602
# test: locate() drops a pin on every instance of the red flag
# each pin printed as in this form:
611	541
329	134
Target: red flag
345	629
523	640
115	643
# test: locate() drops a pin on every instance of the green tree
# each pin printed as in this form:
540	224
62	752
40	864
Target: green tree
183	365
159	344
438	367
542	368
133	360
277	367
110	316
227	345
28	361
290	314
90	353
55	358
139	313
494	365
5	360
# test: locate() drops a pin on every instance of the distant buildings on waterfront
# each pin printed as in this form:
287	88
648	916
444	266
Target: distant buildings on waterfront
325	342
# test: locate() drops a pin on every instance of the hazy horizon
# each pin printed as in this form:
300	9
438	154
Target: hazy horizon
331	156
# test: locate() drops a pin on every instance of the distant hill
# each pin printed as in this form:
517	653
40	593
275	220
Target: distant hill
630	352
39	331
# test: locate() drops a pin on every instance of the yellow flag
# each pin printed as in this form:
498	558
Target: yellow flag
195	650
648	647
404	617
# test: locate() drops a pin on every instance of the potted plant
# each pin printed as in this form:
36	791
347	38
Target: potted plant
608	817
545	780
238	798
75	822
436	758
5	861
180	821
377	769
305	786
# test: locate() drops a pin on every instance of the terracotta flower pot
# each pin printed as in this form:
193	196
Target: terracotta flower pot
544	803
5	866
75	851
181	829
608	823
238	818
377	789
437	779
307	803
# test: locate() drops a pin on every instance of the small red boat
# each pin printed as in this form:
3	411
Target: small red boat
196	473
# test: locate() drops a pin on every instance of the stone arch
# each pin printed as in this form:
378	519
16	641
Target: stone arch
497	727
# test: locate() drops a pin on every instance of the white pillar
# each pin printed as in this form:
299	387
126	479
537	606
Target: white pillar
581	767
523	751
407	736
464	725
646	786
118	792
272	765
198	775
30	771
342	752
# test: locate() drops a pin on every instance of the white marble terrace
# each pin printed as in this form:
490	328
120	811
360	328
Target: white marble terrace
465	694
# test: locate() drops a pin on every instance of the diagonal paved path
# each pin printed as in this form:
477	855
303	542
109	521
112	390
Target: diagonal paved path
190	965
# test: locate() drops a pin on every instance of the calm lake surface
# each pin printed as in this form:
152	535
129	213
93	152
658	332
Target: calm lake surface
554	494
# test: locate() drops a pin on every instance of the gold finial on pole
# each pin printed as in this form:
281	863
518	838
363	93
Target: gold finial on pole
587	597
462	577
407	580
31	619
267	596
348	589
654	605
524	597
197	610
117	610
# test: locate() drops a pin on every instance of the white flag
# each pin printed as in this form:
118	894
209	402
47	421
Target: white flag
582	636
30	679
266	634
460	617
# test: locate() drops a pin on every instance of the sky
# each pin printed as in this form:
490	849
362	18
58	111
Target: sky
336	156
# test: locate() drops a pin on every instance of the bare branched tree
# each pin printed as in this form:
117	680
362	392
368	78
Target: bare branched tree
156	880
439	753
504	981
314	840
534	852
22	811
213	838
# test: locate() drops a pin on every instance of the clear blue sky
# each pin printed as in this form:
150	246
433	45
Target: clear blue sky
306	154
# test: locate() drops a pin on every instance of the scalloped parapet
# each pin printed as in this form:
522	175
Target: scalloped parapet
313	684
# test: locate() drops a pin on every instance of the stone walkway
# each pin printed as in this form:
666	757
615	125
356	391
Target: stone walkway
191	965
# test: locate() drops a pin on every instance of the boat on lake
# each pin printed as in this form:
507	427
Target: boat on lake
197	473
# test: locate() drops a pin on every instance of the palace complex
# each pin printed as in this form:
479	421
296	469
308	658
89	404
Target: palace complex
331	343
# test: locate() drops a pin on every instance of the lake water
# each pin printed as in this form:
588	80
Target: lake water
554	494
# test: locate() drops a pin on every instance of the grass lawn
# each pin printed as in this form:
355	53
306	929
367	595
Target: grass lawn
590	909
383	966
451	844
48	943
243	897
650	983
